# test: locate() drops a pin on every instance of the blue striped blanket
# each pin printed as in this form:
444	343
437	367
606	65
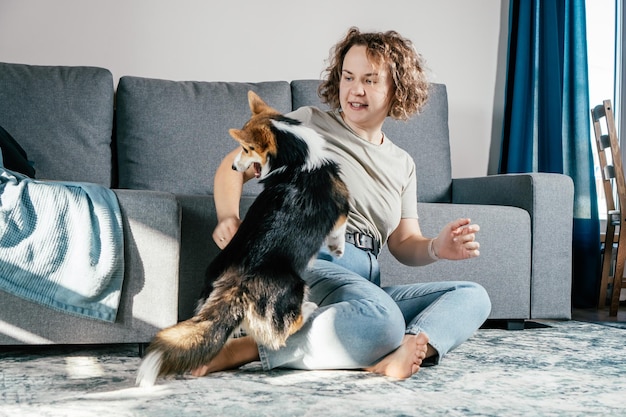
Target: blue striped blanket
61	245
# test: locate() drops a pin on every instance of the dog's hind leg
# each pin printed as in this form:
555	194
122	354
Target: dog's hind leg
336	239
194	342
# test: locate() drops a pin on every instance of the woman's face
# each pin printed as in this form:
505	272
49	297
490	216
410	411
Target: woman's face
364	93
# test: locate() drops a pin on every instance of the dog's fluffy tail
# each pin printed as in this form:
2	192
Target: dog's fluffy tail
191	343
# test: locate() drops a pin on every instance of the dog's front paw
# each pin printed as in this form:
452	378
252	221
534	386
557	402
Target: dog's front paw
336	243
307	309
335	251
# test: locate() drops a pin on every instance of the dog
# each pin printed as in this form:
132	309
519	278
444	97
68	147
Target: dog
255	282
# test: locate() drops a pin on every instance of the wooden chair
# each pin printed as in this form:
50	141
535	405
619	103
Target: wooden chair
610	158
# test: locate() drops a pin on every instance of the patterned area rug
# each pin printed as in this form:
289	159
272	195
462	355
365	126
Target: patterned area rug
566	369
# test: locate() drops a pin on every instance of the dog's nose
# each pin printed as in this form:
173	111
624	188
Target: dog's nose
233	167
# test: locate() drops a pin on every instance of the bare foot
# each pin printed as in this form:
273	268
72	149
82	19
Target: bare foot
235	353
406	359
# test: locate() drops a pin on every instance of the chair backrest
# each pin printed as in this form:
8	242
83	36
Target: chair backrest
610	157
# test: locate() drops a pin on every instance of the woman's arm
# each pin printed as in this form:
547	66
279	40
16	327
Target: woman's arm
457	240
227	189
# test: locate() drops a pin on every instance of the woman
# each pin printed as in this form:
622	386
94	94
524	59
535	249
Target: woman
392	331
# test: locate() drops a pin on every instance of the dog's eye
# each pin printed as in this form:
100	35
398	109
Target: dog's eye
251	148
244	150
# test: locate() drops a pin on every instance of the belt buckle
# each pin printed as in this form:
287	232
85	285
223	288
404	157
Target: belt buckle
361	241
358	242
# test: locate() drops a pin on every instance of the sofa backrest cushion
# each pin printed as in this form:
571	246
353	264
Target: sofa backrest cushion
62	117
172	135
425	136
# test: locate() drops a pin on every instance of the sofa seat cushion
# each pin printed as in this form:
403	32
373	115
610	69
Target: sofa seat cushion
503	266
172	135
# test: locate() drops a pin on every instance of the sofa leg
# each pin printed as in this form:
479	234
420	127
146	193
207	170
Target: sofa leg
142	349
515	324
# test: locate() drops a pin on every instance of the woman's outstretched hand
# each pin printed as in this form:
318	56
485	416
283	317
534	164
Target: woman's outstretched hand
457	240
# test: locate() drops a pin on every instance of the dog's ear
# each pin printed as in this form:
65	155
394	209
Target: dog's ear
239	135
258	106
244	137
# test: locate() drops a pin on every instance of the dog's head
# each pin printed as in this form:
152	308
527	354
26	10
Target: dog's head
257	140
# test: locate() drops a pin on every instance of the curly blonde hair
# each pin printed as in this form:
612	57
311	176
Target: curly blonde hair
405	65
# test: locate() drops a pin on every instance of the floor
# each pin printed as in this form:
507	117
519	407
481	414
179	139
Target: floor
602	314
599	315
564	368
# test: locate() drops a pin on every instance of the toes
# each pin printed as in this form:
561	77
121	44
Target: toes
422	338
415	369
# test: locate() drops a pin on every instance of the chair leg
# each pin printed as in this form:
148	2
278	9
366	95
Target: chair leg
607	259
617	277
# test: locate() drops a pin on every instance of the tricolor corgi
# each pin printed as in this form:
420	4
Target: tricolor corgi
255	282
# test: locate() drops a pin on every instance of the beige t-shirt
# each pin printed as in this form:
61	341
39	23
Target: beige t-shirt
380	178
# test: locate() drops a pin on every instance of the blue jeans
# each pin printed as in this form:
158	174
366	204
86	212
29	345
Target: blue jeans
358	322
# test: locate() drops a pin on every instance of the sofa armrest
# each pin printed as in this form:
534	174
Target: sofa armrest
151	222
549	199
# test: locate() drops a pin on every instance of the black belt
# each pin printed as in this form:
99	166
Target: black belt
365	242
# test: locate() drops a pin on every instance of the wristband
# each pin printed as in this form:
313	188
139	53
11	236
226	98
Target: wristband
431	250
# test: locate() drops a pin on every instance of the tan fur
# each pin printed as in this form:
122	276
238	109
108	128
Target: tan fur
261	329
256	138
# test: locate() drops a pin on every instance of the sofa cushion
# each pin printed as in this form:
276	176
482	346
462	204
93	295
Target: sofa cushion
424	136
172	135
62	117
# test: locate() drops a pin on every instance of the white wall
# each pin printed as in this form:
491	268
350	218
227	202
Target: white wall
464	43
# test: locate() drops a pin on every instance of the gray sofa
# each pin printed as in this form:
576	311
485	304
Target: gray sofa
157	144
